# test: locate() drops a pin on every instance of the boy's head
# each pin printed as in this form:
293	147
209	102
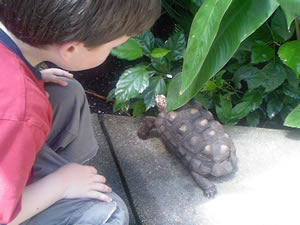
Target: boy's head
94	23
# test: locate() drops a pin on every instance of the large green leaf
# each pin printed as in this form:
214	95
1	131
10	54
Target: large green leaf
130	50
289	53
291	9
132	83
293	119
242	18
203	32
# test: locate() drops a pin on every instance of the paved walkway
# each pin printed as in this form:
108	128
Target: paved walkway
159	191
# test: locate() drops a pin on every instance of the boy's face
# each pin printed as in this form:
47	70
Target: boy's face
76	56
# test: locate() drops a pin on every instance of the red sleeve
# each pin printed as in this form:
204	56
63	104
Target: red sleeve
19	142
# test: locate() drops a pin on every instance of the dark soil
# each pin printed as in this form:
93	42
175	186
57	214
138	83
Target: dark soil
100	81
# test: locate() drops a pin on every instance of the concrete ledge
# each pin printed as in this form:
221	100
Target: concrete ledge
264	190
106	166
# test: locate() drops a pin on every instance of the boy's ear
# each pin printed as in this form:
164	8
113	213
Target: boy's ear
67	50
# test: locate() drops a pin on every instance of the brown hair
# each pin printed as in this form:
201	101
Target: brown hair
93	22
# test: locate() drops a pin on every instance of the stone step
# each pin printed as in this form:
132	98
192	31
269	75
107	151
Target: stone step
263	191
106	166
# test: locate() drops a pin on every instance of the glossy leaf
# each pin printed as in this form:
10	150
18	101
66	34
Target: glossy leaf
132	83
289	53
254	98
253	76
241	19
292	77
261	52
279	26
274	106
157	86
203	32
176	44
160	64
293	119
146	41
276	75
159	52
291	9
130	50
291	91
205	98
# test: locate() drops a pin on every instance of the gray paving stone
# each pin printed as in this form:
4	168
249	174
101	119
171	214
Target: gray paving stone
105	165
263	191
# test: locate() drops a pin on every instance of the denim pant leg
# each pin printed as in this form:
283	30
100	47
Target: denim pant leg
72	140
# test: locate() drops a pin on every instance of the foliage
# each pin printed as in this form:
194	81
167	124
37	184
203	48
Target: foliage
230	65
138	85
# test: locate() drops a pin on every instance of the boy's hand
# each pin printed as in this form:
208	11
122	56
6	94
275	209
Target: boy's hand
83	182
53	75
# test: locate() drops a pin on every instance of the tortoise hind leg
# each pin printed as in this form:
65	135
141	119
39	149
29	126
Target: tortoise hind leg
209	189
146	127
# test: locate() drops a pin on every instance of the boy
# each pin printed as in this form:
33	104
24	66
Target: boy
49	127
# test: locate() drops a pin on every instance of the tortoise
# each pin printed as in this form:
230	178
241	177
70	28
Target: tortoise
196	138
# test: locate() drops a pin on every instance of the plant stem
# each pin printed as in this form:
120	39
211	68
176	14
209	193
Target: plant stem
297	27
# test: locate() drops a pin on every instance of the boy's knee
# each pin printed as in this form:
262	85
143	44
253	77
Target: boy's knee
66	94
114	213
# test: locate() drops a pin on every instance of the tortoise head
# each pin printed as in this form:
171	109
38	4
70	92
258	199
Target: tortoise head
161	102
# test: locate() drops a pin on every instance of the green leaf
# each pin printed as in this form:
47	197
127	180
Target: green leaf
203	32
242	18
157	86
276	76
147	42
130	50
111	95
289	53
242	56
206	99
176	43
274	106
219	79
254	99
293	119
159	52
139	108
210	86
279	26
160	64
292	77
291	91
261	52
253	119
224	111
195	5
253	76
132	83
291	9
240	111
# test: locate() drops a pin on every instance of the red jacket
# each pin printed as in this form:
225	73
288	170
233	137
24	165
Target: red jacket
25	122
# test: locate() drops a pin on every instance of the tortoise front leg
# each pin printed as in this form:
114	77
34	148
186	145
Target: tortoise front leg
146	127
209	189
